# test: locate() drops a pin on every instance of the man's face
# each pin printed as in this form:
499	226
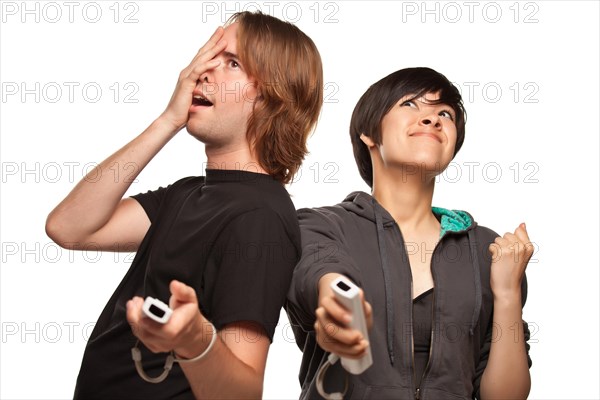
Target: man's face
419	133
221	122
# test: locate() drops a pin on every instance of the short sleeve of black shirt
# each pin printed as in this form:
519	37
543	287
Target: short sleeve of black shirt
152	199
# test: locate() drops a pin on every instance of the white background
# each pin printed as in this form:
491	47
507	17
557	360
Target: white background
532	142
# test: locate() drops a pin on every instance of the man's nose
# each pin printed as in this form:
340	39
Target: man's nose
204	77
208	76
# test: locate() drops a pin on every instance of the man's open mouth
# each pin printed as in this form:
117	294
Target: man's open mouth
199	100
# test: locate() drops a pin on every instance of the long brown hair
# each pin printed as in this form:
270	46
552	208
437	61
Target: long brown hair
287	66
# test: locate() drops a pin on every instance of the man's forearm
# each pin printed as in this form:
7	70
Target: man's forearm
507	373
221	375
94	199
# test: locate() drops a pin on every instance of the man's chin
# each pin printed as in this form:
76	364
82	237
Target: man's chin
195	132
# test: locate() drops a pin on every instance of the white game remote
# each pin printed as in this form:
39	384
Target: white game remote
348	295
157	310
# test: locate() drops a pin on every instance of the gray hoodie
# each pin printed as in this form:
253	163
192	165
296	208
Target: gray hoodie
360	239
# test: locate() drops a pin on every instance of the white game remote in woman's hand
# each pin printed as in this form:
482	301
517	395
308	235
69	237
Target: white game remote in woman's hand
347	293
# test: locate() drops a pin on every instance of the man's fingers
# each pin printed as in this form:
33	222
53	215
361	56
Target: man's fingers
194	73
181	294
214	39
134	310
203	63
156	337
141	326
217	34
209	52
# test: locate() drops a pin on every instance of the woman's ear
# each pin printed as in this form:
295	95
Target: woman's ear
367	140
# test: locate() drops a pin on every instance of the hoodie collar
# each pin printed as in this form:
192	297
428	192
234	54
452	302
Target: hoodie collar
452	220
361	204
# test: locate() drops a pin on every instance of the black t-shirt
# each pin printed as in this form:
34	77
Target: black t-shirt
422	321
233	236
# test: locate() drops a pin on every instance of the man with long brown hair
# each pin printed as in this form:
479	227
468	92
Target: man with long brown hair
218	249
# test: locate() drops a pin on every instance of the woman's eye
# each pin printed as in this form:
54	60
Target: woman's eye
408	103
233	64
446	114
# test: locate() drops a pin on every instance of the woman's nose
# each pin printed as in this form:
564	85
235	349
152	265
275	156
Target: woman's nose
431	119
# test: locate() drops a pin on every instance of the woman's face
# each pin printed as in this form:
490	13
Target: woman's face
419	134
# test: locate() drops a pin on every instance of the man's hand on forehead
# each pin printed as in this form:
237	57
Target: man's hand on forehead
178	109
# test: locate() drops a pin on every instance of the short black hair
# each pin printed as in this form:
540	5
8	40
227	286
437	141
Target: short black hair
379	99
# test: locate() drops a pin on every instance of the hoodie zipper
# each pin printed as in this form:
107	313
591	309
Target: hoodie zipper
418	389
412	333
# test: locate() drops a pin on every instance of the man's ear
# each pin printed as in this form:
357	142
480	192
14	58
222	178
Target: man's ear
258	87
367	140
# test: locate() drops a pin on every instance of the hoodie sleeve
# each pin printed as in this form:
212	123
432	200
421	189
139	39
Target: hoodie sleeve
323	251
487	344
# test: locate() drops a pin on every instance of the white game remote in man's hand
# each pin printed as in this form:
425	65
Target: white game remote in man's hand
347	293
157	310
